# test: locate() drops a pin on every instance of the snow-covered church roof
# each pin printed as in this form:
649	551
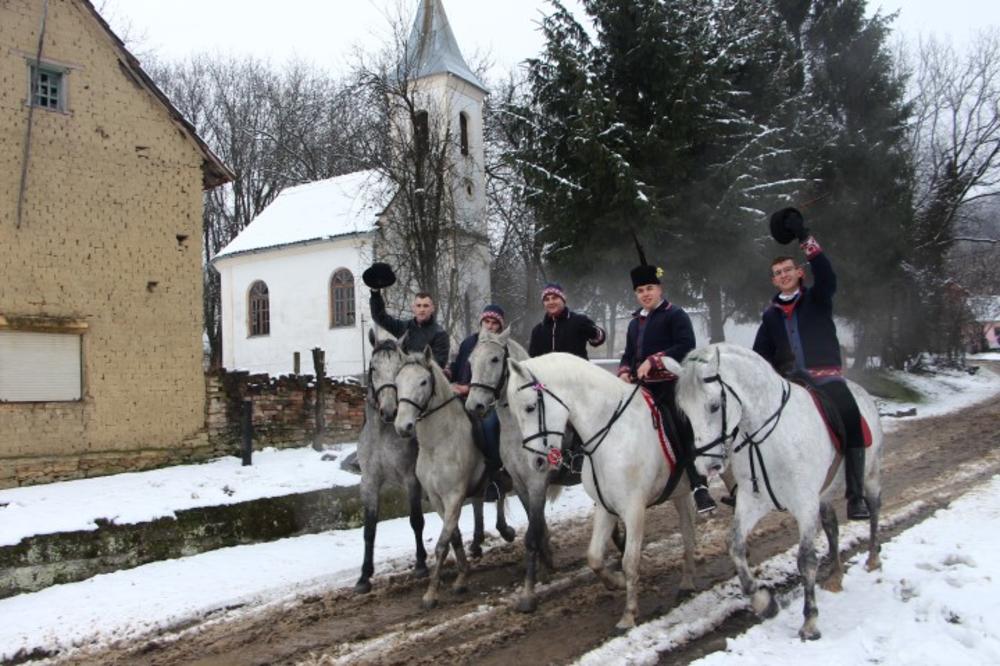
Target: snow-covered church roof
315	211
432	48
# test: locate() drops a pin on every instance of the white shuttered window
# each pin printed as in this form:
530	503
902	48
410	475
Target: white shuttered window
40	367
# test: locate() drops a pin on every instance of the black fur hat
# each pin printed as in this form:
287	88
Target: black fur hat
779	227
644	273
378	276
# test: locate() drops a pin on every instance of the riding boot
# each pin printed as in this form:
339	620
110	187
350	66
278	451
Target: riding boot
731	499
854	470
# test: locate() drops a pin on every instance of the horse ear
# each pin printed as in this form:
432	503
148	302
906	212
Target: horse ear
672	366
372	338
516	369
428	355
504	336
713	362
401	341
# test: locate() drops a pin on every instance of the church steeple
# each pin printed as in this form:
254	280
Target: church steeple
432	49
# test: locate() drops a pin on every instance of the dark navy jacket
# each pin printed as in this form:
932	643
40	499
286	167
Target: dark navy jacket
666	331
569	332
418	335
460	370
807	339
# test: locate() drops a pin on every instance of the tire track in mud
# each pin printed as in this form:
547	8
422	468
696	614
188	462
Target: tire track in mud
933	460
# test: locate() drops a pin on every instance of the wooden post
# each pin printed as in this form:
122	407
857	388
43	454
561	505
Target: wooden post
319	364
296	363
246	432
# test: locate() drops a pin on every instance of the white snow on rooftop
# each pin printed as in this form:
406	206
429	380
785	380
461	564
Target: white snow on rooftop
322	209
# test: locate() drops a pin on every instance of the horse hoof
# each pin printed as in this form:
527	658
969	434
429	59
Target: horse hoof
475	551
684	593
527	605
460	589
507	533
873	564
764	604
363	587
621	629
421	571
428	604
833	585
809	634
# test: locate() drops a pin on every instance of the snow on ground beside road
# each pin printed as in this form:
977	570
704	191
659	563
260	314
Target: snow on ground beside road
127	604
985	356
944	391
935	601
141	496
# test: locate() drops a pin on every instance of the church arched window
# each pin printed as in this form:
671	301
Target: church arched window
463	128
260	309
421	132
342	298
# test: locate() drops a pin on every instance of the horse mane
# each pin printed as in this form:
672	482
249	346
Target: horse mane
690	384
549	362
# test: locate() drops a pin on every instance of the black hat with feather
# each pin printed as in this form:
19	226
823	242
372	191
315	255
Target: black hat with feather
644	274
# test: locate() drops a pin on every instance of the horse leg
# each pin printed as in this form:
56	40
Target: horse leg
749	510
534	539
685	512
618	535
506	531
635	523
478	534
417	523
807	570
370	500
449	517
873	498
459	586
604	524
828	517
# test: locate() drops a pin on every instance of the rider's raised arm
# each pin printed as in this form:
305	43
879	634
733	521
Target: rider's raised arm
395	326
824	279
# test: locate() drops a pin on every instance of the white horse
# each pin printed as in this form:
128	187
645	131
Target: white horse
768	431
626	468
449	465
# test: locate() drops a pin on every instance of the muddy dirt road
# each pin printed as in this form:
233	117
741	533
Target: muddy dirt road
933	460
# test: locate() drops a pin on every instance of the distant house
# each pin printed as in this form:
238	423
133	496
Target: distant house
291	281
101	277
985	333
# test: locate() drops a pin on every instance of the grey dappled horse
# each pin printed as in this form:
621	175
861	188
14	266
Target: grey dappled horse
450	466
748	418
387	458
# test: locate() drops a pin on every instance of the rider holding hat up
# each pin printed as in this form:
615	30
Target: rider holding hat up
659	328
422	330
798	337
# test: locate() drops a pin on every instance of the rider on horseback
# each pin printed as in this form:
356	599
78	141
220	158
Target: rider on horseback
422	330
661	329
562	330
492	318
797	335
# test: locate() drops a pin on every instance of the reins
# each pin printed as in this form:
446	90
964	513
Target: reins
504	373
423	411
749	439
585	448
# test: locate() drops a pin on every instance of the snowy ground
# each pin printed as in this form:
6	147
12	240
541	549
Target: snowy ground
944	391
940	579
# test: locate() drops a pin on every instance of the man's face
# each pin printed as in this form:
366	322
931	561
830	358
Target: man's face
786	275
649	295
491	324
423	309
553	304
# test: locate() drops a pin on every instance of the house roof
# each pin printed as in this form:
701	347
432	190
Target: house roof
321	210
214	172
432	48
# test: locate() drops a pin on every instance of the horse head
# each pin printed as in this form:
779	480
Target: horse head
540	414
385	361
711	405
416	383
489	371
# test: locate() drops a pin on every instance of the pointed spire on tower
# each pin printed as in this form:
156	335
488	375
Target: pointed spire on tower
432	49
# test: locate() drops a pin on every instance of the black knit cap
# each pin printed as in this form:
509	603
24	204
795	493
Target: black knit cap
644	274
379	276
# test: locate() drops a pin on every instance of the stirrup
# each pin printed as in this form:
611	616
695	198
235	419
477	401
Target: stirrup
703	501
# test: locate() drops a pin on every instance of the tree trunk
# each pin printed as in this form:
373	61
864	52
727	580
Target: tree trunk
716	321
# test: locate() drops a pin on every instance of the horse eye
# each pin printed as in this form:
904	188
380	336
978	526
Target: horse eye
529	408
714	408
495	359
423	383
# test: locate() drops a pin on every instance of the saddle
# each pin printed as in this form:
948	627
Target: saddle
831	415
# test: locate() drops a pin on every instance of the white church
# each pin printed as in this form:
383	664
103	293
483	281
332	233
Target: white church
291	280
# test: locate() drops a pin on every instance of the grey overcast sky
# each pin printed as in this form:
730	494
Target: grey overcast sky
327	31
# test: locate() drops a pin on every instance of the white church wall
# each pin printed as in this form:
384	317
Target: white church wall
298	282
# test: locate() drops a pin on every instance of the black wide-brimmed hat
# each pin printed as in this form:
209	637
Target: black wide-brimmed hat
779	225
378	276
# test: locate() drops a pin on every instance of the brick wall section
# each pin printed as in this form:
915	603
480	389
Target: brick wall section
112	183
283	410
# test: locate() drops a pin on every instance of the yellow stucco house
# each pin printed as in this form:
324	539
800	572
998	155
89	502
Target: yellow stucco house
101	183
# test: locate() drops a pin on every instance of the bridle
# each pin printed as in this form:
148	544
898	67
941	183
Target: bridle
497	390
752	440
424	410
385	346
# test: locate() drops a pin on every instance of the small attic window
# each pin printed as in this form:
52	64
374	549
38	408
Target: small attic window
463	127
47	87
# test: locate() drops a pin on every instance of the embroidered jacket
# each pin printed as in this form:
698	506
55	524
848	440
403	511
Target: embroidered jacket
666	331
